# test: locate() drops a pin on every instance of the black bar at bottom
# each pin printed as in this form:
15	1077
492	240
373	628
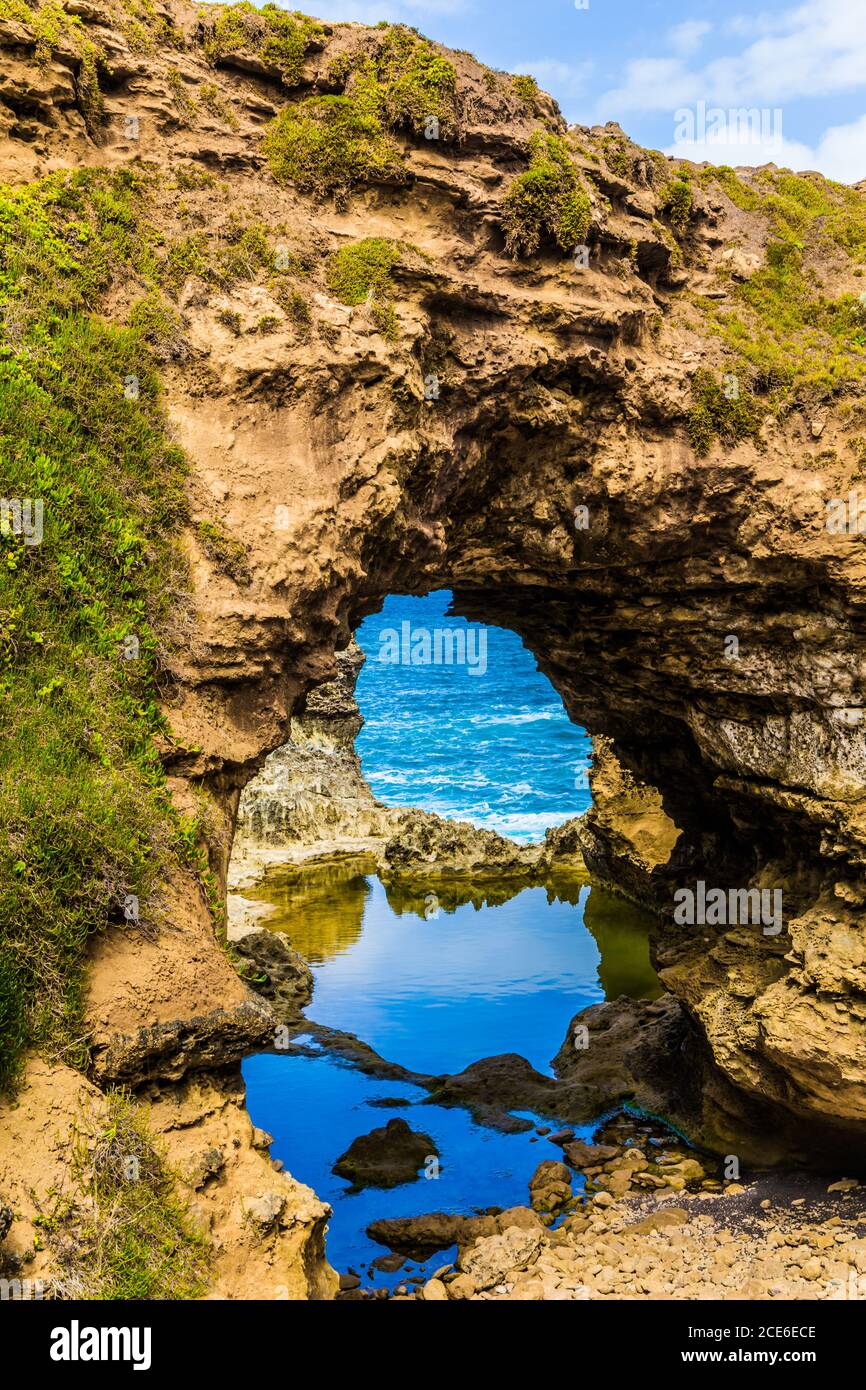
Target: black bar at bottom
282	1339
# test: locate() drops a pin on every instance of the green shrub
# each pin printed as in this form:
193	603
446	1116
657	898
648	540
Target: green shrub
279	37
184	103
327	144
293	304
90	98
527	89
547	202
404	81
362	272
717	415
677	201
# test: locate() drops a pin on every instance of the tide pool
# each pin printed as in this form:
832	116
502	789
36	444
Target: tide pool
504	970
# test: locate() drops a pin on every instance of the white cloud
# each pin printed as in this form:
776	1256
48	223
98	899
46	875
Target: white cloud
566	79
813	50
840	153
810	51
686	38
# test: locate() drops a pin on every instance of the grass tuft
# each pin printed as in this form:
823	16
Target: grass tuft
547	202
325	145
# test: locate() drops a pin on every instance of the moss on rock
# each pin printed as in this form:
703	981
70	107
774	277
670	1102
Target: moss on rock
327	144
547	202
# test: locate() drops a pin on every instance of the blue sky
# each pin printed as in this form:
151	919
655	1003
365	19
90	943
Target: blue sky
640	62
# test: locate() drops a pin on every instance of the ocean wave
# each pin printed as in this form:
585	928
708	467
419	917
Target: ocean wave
522	825
519	717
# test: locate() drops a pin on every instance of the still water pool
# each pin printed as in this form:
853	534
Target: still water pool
497	970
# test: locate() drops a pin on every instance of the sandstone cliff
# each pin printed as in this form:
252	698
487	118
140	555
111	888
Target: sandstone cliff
393	369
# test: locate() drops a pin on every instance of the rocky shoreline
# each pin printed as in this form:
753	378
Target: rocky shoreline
649	1219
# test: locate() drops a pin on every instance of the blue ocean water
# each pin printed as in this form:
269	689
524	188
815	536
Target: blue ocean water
494	748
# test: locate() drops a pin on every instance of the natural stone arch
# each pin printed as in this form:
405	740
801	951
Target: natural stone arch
339	477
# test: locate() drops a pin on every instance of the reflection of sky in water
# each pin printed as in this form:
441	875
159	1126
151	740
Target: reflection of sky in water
496	749
434	996
315	1107
438	994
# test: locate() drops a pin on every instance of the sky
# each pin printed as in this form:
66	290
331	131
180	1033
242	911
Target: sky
649	64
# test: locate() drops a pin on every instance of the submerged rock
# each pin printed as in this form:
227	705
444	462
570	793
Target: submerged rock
386	1157
420	1236
493	1086
550	1188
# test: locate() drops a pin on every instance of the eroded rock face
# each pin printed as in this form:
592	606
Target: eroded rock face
316	449
771	1023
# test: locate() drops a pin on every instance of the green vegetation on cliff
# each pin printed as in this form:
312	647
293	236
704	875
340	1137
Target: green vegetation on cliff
362	271
792	338
798	337
547	202
326	144
721	410
128	1235
404	80
87	468
51	25
279	37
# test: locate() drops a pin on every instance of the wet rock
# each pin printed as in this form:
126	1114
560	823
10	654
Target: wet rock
582	1155
630	1049
388	1264
559	1136
280	974
550	1187
420	1236
495	1085
386	1157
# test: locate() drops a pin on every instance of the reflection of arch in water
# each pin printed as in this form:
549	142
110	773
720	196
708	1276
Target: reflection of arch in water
320	906
622	934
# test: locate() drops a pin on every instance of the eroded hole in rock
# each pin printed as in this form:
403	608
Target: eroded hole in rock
452	987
